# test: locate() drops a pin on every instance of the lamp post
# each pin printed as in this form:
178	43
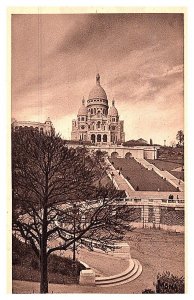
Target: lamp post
74	224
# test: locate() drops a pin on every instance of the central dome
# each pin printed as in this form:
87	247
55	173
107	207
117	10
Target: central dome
97	91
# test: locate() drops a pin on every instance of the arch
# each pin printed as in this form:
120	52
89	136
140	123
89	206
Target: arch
128	155
98	138
105	138
98	124
114	154
98	113
93	138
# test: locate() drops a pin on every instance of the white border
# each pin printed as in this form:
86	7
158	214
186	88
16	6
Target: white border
188	110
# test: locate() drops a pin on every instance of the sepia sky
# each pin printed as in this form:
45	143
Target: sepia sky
55	59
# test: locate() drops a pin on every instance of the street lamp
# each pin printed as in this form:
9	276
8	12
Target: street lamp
74	224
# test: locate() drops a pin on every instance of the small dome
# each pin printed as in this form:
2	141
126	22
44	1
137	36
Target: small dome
97	91
83	111
112	110
48	120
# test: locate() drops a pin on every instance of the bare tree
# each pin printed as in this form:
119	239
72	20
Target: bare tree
58	198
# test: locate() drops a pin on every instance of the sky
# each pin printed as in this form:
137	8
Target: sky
55	59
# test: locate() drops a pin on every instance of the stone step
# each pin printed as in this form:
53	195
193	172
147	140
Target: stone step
129	269
132	272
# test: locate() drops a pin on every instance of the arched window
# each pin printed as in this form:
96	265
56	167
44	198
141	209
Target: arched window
104	138
99	138
92	111
93	138
98	124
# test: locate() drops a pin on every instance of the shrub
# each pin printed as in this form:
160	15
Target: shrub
168	283
34	263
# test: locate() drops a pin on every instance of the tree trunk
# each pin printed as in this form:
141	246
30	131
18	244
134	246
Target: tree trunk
43	257
43	274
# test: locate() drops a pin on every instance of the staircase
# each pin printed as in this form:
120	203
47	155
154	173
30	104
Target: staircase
118	179
131	273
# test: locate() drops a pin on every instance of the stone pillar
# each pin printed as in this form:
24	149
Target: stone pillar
122	251
144	214
87	277
156	212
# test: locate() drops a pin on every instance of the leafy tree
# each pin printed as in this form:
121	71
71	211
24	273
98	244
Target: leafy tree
180	138
59	201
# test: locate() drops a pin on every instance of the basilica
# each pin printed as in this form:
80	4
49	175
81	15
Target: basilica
97	122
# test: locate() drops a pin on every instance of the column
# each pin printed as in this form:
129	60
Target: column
156	212
144	214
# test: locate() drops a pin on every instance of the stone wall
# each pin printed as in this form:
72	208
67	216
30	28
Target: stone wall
167	218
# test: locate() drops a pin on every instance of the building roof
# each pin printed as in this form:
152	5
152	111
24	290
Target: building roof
97	91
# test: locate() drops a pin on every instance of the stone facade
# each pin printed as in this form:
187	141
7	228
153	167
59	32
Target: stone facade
96	122
46	127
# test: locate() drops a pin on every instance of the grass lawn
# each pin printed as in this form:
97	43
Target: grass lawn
164	165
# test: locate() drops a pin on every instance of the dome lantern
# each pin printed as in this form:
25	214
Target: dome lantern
98	79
